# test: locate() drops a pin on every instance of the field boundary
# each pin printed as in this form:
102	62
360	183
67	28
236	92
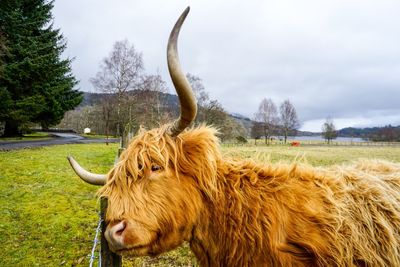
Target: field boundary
315	143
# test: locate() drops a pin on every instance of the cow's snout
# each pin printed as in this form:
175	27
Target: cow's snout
115	235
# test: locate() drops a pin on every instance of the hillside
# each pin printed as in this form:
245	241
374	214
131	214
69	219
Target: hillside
90	99
386	133
172	101
365	132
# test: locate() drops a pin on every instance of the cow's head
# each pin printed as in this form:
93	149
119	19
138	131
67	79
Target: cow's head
156	191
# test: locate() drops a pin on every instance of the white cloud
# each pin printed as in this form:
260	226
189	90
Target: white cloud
369	120
330	58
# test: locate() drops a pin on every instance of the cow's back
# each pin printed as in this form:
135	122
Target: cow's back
367	213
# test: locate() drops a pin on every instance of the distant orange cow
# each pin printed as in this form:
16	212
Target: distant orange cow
295	143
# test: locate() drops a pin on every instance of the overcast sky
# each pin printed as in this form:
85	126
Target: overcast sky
338	58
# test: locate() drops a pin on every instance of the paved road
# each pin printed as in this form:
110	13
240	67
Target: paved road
57	139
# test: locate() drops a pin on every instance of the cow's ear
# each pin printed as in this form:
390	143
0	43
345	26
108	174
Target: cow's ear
198	156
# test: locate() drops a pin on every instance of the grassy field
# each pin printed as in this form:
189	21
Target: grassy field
26	137
97	136
48	216
315	155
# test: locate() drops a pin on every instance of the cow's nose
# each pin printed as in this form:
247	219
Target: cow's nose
115	235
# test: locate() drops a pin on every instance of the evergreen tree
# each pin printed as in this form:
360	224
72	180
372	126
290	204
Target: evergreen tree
36	85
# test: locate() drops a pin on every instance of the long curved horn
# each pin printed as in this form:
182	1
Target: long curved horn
91	178
185	93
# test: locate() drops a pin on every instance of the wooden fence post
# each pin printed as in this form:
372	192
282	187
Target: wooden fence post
108	258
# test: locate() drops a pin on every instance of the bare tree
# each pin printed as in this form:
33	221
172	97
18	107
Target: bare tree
211	112
328	130
119	73
80	118
153	101
288	119
107	109
267	115
202	97
257	130
230	129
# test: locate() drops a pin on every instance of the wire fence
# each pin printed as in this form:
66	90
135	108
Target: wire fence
260	143
95	242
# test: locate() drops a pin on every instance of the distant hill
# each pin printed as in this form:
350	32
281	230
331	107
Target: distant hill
172	101
362	132
307	133
246	122
90	99
386	133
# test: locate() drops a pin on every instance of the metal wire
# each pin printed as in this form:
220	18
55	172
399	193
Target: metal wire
95	241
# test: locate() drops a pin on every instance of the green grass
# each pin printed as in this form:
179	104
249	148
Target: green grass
97	136
48	216
26	137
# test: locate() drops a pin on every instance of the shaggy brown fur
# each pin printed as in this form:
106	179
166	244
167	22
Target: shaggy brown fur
241	213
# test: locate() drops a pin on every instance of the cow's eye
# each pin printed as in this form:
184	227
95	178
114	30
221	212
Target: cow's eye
155	168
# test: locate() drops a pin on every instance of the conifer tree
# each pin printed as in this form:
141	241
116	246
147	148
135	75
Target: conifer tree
36	84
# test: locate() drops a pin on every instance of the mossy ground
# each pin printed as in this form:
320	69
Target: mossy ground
48	216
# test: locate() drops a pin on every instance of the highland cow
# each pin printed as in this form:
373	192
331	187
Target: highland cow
173	185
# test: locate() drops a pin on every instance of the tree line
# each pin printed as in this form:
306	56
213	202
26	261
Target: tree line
388	133
269	121
132	99
380	134
37	87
